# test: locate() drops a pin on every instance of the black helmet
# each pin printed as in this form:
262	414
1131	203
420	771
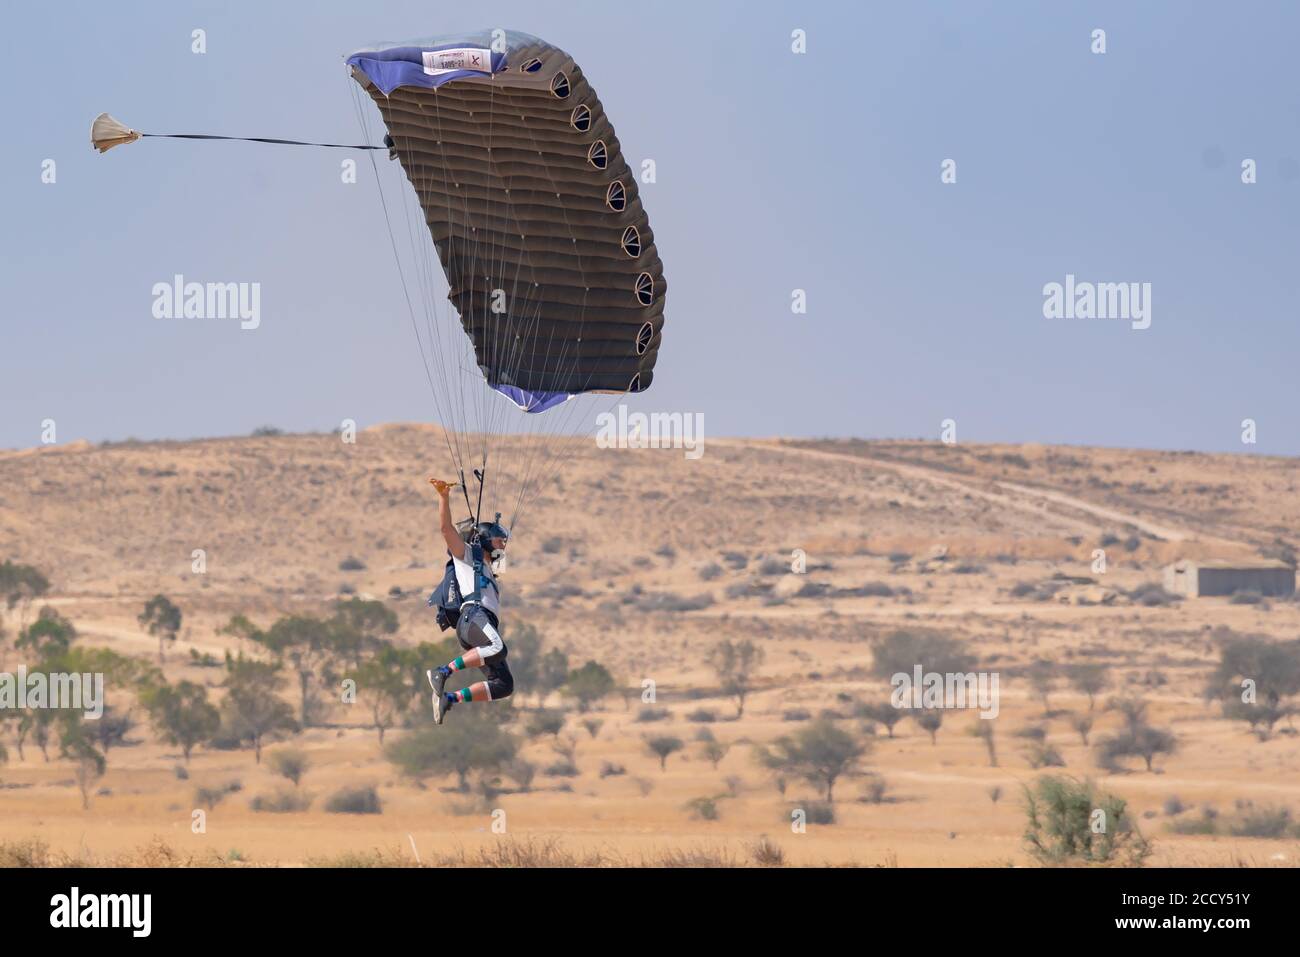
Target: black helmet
487	531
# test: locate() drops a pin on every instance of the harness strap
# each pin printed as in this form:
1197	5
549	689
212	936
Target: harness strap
481	580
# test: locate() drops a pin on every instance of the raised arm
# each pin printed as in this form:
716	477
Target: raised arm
455	544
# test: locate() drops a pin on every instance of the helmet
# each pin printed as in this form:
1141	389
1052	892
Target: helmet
486	531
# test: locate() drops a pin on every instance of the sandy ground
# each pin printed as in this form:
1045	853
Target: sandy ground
113	525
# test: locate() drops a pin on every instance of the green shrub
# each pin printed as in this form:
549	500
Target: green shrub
703	808
281	802
1069	821
355	800
819	812
1206	823
1266	821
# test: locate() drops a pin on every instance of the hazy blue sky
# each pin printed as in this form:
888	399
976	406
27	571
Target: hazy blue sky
775	172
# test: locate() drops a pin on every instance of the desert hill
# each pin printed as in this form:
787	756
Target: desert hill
645	560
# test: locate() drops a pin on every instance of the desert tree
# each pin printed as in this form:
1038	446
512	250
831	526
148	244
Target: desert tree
39	723
20	585
181	715
1082	724
567	749
360	628
307	646
820	753
458	747
713	751
537	671
929	720
120	672
111	729
302	643
49	640
162	619
1042	678
983	729
588	685
381	685
1132	709
1256	680
416	661
735	664
90	764
900	651
1140	740
662	746
883	713
289	763
1087	678
252	706
21	729
240	626
1148	742
1136	736
522	772
553	673
1040	754
545	722
49	636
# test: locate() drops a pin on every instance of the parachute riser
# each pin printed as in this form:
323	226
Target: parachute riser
469	507
478	510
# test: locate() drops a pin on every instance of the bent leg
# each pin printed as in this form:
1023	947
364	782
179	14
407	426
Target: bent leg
500	684
480	639
470	659
485	650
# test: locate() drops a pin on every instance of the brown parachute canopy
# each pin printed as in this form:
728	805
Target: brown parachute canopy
534	212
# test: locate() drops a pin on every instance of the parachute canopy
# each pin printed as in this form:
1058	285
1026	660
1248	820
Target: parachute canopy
535	215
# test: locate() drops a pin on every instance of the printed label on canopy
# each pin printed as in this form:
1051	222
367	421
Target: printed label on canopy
437	62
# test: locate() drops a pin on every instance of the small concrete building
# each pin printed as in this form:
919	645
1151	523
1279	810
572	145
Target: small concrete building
1200	579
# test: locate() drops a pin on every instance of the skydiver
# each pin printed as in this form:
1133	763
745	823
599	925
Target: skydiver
477	627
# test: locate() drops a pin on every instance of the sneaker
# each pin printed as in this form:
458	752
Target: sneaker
436	680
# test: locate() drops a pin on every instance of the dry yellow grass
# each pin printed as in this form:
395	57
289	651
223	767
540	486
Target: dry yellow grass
112	526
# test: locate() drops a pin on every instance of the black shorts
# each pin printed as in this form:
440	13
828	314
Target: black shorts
478	628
